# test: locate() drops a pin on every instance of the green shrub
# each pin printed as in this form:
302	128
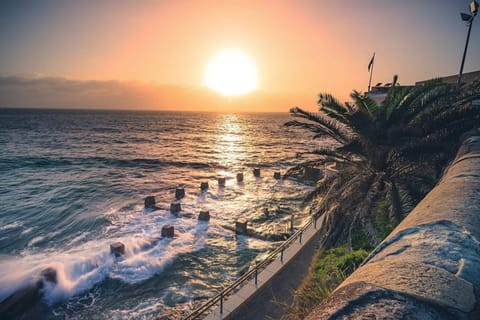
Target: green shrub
331	267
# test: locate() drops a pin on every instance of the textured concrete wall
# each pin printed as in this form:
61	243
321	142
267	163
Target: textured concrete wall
429	266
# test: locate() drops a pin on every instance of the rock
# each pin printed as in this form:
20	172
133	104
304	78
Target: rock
204	186
204	215
240	177
361	300
256	172
179	193
277	175
21	300
49	274
241	226
175	207
117	248
14	306
168	231
419	280
221	182
150	202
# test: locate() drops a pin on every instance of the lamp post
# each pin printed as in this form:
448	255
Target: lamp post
469	19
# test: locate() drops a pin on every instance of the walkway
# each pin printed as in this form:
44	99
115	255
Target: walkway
276	271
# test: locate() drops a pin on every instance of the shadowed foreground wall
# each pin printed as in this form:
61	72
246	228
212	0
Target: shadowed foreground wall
429	266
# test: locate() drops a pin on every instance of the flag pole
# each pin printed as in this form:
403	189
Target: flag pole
370	67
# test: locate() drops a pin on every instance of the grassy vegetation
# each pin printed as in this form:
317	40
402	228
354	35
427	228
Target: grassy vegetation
329	269
360	241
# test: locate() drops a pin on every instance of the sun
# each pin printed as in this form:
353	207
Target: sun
231	72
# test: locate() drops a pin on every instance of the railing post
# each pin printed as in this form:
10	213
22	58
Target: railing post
281	255
221	302
301	233
256	276
315	222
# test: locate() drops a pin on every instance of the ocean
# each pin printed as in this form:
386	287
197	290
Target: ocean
73	182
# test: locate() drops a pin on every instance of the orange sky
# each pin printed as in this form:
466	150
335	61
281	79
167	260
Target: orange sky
152	54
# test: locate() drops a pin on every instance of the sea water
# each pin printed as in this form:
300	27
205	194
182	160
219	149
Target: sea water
74	182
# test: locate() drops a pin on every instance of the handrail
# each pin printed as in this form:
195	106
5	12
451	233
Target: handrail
247	276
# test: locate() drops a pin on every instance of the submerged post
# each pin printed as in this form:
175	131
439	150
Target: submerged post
241	226
168	231
240	177
179	193
221	182
175	207
150	202
204	215
204	186
117	249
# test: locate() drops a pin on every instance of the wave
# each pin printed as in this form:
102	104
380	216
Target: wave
105	129
80	269
145	163
13	225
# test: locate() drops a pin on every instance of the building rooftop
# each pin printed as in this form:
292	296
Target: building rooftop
468	77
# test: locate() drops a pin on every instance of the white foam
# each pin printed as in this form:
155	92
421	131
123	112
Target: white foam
28	230
35	240
16	224
80	268
148	309
82	263
78	238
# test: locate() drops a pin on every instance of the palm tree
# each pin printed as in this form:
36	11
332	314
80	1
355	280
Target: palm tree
390	154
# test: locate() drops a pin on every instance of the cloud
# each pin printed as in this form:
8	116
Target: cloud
59	92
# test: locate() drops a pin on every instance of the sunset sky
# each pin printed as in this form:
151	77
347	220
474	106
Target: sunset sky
152	54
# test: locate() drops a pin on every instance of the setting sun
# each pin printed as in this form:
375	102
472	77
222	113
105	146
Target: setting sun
231	72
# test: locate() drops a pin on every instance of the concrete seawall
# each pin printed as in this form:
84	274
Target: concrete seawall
429	266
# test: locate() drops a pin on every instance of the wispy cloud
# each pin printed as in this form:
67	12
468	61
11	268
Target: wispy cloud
59	92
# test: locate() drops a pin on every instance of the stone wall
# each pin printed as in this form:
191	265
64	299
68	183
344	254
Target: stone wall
429	266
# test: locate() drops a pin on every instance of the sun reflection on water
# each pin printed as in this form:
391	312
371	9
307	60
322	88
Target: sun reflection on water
230	140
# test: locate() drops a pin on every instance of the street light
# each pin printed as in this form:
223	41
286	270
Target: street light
468	18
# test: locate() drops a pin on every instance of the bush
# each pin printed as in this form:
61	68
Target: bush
331	267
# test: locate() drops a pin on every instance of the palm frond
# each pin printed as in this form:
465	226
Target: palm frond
390	155
323	124
364	103
332	107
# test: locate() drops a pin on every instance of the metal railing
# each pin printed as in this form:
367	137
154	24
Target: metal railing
253	273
